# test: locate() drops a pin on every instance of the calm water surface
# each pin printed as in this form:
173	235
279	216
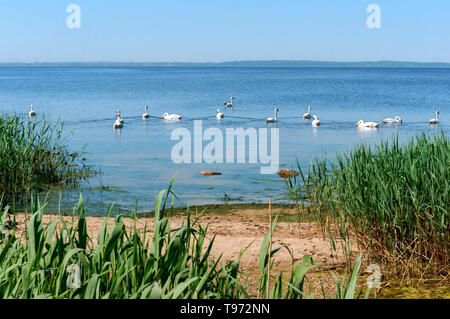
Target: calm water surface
136	160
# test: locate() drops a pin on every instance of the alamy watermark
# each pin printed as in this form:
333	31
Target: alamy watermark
190	150
74	19
374	280
374	19
74	279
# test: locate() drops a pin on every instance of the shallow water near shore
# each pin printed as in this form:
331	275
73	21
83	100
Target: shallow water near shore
135	162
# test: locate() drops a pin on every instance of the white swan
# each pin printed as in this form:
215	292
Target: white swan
118	123
168	116
119	118
146	115
362	124
219	114
275	118
435	120
316	122
31	113
396	119
231	103
307	115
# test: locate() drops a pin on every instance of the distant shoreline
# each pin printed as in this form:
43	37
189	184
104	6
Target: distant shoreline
262	63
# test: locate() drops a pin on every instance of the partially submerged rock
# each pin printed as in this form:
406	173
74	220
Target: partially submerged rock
287	173
209	173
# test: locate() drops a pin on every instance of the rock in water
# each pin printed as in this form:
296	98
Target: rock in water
209	173
287	173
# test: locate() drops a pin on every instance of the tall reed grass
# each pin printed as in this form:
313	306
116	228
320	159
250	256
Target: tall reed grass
34	154
392	199
60	260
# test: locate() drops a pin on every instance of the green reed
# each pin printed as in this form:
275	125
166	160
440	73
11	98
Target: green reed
392	199
34	154
126	263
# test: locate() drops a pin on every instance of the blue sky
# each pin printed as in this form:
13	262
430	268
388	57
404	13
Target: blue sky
226	30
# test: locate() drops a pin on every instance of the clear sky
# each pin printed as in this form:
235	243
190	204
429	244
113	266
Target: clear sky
225	30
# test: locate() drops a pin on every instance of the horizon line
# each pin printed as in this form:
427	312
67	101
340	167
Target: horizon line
232	62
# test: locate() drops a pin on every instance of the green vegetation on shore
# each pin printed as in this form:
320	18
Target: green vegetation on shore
224	209
34	155
60	260
392	200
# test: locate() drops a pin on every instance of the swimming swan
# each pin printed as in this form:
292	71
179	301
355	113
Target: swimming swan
231	103
435	120
168	116
396	119
275	118
118	117
146	115
362	124
316	122
307	115
219	115
32	113
118	123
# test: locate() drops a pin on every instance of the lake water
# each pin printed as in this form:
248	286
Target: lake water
136	160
